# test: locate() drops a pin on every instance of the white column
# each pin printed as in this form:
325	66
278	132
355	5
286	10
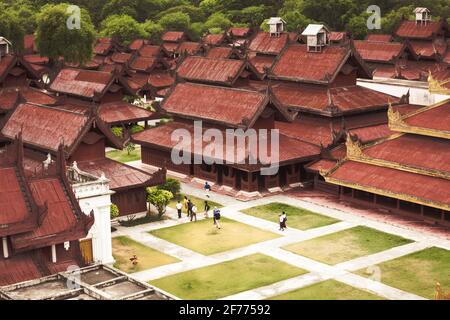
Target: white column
53	253
5	248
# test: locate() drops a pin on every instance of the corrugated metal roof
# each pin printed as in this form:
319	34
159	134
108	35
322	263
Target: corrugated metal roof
265	43
13	204
378	51
411	29
80	82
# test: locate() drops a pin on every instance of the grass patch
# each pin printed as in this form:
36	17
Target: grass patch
203	237
297	217
227	278
328	290
347	245
124	248
417	272
200	203
123	156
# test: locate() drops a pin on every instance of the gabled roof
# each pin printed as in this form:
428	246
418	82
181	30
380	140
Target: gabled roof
11	63
149	51
122	112
261	63
209	70
297	64
220	52
10	96
143	64
238	32
429	49
161	79
214	39
173	36
264	43
189	47
45	128
137	44
240	108
412	30
313	29
379	37
379	51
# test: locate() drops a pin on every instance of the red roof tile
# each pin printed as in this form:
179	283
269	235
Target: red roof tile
219	52
379	37
160	79
220	71
122	112
437	118
322	164
9	96
429	49
239	32
410	29
143	64
14	206
318	99
173	36
379	51
44	127
120	175
29	44
264	43
372	133
170	47
149	51
5	64
120	57
18	268
189	47
297	64
213	39
395	182
337	36
80	82
103	48
261	62
35	58
137	44
207	102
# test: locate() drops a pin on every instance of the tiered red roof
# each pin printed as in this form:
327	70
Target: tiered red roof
412	30
10	96
429	49
120	111
379	51
173	36
213	39
264	43
220	52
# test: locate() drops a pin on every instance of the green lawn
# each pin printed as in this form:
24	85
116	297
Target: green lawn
297	217
227	278
124	248
200	203
123	156
417	272
347	245
203	237
328	290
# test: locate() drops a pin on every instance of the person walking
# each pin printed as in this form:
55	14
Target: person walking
179	206
207	188
194	213
216	214
185	205
283	219
207	208
189	208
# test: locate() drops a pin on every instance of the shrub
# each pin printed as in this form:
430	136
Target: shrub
160	199
172	185
117	131
114	211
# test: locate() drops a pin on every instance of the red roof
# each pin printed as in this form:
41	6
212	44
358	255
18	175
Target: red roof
29	44
411	29
337	36
137	44
260	62
437	118
379	37
266	44
103	48
189	47
120	57
149	51
394	182
5	64
35	58
173	36
18	268
219	52
297	64
170	47
197	101
143	64
84	83
429	49
414	150
160	79
318	99
213	39
379	51
123	112
59	219
371	133
220	71
239	32
44	127
9	96
120	175
14	206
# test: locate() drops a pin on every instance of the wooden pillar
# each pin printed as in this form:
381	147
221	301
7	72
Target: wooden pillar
375	198
54	253
422	213
353	193
5	248
398	204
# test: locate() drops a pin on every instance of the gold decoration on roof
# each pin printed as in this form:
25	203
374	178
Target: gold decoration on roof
354	148
395	118
437	86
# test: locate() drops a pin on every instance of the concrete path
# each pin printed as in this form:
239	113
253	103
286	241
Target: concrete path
316	271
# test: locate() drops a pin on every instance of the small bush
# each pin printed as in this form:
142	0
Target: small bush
172	185
136	128
114	211
117	131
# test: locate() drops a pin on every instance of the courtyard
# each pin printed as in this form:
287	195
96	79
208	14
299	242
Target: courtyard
325	254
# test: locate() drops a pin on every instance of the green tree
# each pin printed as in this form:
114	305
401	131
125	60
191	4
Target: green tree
54	39
390	22
11	29
172	185
211	6
124	28
197	30
114	211
120	7
218	20
254	15
154	31
358	26
295	21
335	14
177	21
130	147
160	199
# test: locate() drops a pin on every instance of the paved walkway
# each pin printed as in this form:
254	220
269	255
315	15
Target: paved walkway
317	271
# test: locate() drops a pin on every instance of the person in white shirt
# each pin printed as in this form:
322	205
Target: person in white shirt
283	219
194	212
179	206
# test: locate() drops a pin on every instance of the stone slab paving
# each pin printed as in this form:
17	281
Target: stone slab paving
317	271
